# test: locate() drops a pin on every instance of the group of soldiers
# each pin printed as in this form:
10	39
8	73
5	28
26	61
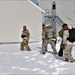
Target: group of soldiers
49	37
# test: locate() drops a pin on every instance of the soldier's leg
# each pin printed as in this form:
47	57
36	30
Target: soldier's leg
69	57
67	53
60	53
44	47
70	51
27	46
22	46
52	43
71	54
43	42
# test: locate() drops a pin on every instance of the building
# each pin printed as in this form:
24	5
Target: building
16	13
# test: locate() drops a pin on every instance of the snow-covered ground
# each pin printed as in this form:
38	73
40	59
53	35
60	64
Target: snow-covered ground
14	61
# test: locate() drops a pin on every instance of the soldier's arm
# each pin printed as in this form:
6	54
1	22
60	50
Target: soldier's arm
60	33
65	36
28	33
22	35
43	34
54	34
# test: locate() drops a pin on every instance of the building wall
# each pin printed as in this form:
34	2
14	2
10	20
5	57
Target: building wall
13	15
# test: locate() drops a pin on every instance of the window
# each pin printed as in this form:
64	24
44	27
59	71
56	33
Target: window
54	6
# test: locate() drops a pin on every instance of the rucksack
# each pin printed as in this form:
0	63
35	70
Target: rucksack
71	37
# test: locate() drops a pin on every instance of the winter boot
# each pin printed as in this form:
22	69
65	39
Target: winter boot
66	59
60	53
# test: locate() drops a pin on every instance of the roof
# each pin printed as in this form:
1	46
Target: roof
36	6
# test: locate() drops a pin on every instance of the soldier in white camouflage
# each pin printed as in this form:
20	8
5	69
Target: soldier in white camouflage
25	36
43	37
50	39
68	46
64	26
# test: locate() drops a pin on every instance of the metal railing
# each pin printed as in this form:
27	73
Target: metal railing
47	12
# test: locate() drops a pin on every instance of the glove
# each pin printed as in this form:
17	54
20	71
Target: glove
55	42
22	36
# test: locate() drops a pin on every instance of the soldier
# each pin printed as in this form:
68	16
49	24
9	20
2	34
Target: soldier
50	38
25	36
43	37
68	47
60	53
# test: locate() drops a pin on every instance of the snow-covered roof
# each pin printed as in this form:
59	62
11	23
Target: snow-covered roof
36	6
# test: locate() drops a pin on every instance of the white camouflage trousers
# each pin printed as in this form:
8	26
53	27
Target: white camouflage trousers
67	52
45	44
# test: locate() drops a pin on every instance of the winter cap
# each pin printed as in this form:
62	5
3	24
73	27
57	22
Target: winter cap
64	24
43	24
